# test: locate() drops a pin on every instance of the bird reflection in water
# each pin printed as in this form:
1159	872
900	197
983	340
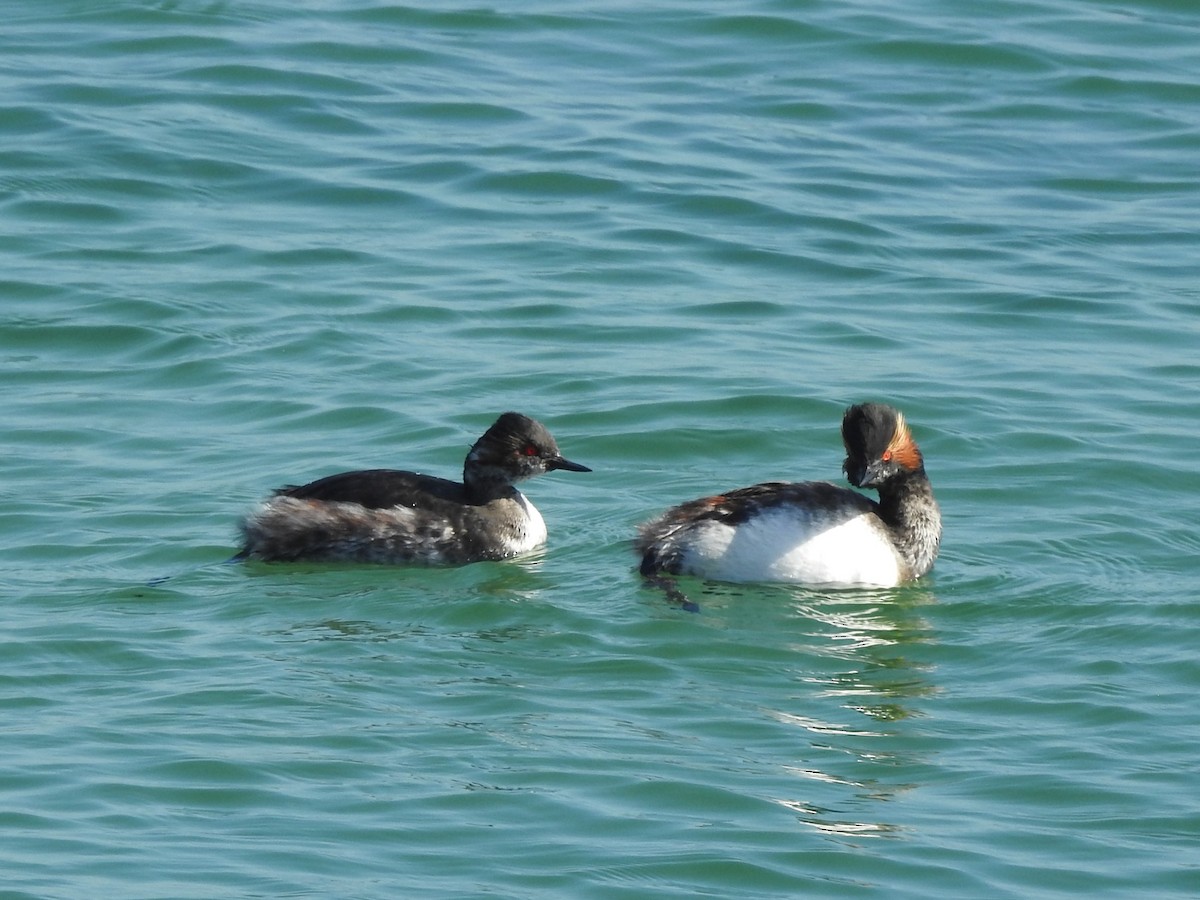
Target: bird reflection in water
856	711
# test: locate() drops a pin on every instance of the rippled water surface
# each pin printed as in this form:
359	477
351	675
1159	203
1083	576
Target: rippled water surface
247	244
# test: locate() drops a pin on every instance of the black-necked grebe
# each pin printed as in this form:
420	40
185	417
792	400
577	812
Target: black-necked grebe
812	532
389	516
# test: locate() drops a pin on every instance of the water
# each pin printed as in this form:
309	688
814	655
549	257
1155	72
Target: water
247	244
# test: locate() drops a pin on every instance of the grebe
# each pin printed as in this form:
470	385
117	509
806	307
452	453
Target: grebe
811	532
389	516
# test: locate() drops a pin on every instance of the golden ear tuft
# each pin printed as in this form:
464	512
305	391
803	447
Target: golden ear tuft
902	448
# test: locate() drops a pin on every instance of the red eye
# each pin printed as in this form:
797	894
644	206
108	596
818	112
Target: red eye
887	455
530	450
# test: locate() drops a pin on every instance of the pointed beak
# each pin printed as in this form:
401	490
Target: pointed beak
557	462
869	477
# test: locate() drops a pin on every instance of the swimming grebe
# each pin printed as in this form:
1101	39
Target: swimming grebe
389	516
812	532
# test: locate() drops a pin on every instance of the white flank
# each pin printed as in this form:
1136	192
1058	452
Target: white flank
792	545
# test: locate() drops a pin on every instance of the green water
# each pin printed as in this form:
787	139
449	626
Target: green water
253	243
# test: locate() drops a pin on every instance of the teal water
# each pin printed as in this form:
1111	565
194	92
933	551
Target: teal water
251	243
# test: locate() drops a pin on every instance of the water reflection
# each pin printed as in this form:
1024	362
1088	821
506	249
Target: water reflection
862	684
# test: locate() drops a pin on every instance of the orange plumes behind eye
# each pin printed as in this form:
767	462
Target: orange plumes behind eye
903	449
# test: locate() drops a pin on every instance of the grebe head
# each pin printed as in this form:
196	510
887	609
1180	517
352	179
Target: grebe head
879	446
516	447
